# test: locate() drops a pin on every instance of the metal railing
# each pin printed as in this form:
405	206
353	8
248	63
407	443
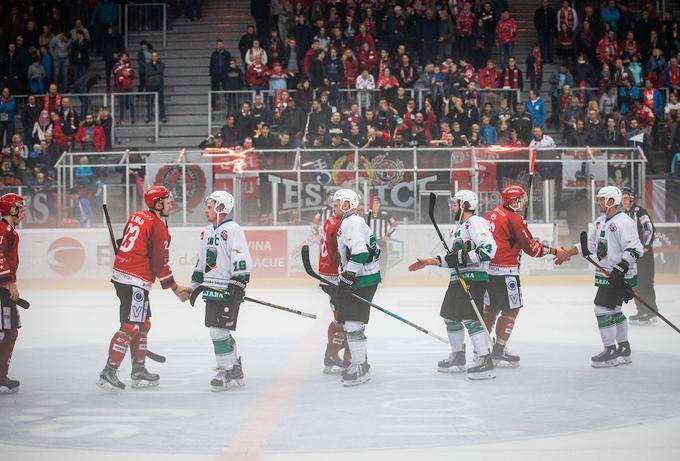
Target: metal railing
292	183
147	18
127	109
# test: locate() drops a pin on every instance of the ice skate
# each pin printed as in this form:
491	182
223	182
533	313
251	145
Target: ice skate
483	370
455	363
502	358
606	358
332	365
623	353
8	386
221	381
141	378
634	319
108	379
356	374
237	374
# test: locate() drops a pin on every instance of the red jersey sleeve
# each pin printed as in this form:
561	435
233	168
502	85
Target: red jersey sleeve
159	254
522	235
9	253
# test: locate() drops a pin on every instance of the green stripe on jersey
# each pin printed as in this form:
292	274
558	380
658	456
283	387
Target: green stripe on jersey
368	280
361	258
471	276
484	252
603	281
197	277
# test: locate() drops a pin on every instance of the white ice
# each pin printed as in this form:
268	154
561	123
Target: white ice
554	407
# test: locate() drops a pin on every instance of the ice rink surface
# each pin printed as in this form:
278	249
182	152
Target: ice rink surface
555	406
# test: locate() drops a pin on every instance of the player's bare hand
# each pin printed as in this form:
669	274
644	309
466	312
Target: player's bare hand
419	264
183	293
561	256
14	292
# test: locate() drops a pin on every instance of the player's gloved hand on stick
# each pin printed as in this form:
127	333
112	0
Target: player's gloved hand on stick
458	258
617	275
346	282
236	291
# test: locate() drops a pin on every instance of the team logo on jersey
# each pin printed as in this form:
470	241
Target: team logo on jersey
612	227
224	234
139	296
66	256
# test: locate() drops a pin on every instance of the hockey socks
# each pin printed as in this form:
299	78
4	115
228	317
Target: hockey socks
479	341
504	326
490	315
607	324
138	343
7	340
621	323
118	348
337	339
356	341
456	335
224	346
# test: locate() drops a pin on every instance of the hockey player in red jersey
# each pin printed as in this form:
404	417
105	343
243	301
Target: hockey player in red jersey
328	268
12	210
512	236
142	257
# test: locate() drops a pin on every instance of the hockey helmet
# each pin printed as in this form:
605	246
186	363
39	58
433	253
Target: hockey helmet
155	193
7	201
610	192
511	193
466	198
224	198
349	196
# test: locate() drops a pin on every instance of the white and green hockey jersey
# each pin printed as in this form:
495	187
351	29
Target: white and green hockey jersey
613	240
359	251
474	236
223	255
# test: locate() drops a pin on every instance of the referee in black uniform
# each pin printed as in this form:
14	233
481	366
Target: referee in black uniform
645	265
383	226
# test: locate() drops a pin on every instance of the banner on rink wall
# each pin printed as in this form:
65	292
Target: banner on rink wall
85	255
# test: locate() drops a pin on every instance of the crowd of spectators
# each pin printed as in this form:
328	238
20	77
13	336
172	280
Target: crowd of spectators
615	81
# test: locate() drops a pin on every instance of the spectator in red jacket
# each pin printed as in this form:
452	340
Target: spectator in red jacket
607	48
488	80
52	99
367	58
257	75
464	23
124	76
351	66
506	36
90	136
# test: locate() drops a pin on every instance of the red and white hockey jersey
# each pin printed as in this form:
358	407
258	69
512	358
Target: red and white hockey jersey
328	255
143	254
9	253
512	236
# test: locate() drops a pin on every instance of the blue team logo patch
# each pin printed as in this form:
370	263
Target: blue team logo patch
512	286
224	234
138	296
612	227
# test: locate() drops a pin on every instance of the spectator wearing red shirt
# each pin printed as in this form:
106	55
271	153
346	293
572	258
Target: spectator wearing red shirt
506	36
464	23
52	100
607	48
367	58
257	75
90	136
124	76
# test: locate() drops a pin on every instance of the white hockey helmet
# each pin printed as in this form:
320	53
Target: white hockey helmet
610	192
347	195
467	199
224	198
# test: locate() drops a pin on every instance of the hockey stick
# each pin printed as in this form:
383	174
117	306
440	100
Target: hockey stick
200	289
532	165
310	271
370	210
4	293
152	355
587	254
463	283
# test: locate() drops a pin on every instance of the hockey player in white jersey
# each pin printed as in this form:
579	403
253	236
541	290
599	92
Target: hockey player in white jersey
360	274
472	250
614	239
223	270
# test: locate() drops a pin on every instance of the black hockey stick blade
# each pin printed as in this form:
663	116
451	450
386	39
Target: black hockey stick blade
584	244
155	357
195	294
433	201
4	292
308	266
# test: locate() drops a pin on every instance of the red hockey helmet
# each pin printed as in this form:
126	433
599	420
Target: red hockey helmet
155	193
7	201
511	193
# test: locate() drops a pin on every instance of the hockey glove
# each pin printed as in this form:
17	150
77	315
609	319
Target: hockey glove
457	259
236	291
346	282
617	275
